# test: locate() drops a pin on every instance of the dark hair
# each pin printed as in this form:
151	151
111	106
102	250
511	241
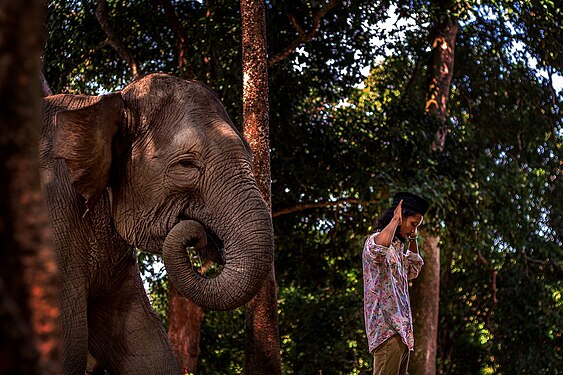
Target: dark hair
388	215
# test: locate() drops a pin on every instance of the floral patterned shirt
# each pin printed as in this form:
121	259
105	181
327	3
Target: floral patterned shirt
387	308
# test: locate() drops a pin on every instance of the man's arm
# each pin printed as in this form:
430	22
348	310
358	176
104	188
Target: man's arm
385	237
414	262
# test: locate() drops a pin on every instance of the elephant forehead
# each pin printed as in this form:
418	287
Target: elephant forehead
192	139
213	134
181	137
187	139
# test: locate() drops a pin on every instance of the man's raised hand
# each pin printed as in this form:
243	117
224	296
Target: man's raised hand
398	213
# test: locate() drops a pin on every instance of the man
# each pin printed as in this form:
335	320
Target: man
390	258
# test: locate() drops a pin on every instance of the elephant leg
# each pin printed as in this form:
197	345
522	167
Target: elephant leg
125	334
74	323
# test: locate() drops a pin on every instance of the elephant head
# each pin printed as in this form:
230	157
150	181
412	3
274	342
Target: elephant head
178	174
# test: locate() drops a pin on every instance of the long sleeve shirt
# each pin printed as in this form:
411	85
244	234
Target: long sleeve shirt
387	308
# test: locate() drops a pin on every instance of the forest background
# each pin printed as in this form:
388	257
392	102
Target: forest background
349	126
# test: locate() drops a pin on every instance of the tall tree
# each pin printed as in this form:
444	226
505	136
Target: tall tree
426	290
29	312
262	331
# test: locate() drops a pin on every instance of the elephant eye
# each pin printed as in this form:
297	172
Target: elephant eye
186	163
190	163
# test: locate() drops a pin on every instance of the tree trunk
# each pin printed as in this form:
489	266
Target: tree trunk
184	330
425	298
29	309
426	290
440	76
262	331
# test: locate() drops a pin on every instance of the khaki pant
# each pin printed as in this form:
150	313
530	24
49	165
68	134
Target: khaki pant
391	357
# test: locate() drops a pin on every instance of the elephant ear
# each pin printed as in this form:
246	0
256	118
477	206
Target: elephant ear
83	138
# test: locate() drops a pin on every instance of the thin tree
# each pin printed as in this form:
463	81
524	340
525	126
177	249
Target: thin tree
184	330
29	311
262	331
426	289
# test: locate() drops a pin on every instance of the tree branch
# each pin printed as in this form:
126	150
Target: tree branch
303	36
181	37
46	90
414	76
307	206
493	273
113	40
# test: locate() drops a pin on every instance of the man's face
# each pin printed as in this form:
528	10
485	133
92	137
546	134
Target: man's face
409	226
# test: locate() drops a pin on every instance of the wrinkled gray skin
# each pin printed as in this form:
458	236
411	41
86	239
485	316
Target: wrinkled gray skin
157	166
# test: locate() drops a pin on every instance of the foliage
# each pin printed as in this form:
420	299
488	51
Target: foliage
495	189
156	283
222	343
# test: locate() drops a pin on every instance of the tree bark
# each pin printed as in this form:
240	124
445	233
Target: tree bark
426	290
184	330
440	77
29	309
262	331
425	300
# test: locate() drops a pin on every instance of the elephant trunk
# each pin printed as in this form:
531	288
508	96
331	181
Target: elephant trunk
248	259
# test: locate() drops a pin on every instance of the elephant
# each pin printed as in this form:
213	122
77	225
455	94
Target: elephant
158	166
